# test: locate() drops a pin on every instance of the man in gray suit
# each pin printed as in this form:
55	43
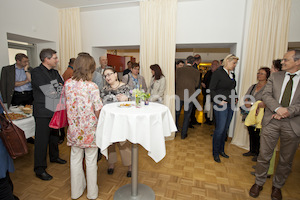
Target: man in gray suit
281	120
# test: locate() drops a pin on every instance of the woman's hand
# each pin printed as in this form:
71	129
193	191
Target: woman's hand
262	105
122	97
222	103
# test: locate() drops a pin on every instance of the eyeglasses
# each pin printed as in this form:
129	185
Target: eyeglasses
107	75
261	73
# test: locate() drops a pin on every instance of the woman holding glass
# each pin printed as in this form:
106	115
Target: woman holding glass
115	91
222	85
83	105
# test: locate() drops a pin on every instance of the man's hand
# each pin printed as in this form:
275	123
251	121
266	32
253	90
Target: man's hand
26	67
283	112
276	116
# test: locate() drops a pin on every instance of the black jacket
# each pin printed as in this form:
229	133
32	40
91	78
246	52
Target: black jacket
45	95
222	84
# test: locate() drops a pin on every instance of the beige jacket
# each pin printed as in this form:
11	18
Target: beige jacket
157	89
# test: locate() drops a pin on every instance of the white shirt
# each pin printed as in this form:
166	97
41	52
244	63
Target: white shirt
230	73
295	84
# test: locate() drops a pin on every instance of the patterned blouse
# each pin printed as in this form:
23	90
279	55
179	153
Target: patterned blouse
109	95
82	99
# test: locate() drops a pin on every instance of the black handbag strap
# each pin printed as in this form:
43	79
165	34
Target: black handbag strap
252	89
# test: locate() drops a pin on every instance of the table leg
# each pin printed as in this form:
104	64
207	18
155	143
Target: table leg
134	190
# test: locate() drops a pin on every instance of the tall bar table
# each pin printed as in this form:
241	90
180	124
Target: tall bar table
147	126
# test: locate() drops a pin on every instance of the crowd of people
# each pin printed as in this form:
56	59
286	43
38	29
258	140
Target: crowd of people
274	99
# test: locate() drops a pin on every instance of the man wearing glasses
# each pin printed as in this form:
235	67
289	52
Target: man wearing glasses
281	120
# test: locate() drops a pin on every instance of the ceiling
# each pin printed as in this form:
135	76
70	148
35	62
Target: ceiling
88	3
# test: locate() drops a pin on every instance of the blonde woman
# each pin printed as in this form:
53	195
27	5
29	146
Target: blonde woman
222	84
83	108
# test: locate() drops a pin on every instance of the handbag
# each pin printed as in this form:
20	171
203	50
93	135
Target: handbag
59	118
12	136
245	112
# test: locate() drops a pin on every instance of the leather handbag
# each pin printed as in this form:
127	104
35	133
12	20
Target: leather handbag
12	136
59	118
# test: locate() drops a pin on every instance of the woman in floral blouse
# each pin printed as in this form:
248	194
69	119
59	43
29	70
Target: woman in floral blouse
116	91
83	108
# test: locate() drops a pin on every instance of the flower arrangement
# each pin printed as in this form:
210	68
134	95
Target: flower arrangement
139	95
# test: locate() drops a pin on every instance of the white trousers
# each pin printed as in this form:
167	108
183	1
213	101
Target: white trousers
78	182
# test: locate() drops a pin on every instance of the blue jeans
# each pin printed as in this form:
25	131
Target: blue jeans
222	119
186	119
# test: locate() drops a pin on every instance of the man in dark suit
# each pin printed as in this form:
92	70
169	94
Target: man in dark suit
187	78
193	120
46	82
15	82
281	120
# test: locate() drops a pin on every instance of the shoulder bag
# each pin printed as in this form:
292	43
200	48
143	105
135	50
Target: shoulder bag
59	118
12	136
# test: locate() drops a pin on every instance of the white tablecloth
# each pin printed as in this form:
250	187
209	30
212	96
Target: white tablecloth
147	126
27	125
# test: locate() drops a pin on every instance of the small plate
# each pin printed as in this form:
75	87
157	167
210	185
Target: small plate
125	105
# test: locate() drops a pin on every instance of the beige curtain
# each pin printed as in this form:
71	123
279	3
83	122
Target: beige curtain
158	28
267	40
69	36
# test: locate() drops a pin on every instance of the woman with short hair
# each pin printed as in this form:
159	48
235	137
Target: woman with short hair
115	91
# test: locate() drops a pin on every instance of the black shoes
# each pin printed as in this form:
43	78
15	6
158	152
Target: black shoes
191	126
254	158
59	161
223	154
249	153
128	174
30	140
183	136
217	159
44	176
110	171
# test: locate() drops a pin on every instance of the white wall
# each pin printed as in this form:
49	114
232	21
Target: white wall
110	27
294	32
30	18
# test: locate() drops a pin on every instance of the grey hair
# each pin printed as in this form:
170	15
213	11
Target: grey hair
46	53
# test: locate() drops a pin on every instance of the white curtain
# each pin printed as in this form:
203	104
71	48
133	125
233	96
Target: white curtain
158	43
267	40
69	36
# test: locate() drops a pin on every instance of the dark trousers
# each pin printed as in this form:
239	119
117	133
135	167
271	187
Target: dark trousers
254	139
44	136
187	114
222	120
22	98
193	119
6	188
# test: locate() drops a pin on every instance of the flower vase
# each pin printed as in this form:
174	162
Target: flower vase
137	102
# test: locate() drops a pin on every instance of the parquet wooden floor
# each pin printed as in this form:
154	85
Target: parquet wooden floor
188	172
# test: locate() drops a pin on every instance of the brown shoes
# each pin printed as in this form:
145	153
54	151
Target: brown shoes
276	193
255	190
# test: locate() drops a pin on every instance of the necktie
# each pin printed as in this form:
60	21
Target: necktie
286	97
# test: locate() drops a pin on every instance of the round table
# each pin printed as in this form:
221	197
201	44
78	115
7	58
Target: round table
147	126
